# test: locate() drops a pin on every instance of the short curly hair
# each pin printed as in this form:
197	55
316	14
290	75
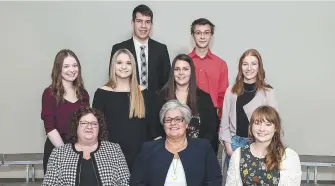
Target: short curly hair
74	123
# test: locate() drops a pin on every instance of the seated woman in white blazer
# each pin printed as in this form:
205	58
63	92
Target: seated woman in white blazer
265	161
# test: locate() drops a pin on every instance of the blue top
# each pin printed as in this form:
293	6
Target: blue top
200	164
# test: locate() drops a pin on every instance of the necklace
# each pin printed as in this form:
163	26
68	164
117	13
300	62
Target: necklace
174	175
175	150
176	156
250	90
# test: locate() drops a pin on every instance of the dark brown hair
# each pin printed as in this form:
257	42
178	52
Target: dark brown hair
74	123
276	148
144	10
260	77
202	21
56	76
169	88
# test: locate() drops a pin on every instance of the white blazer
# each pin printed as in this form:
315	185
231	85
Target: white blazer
290	172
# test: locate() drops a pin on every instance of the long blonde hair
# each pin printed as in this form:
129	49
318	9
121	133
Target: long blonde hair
136	100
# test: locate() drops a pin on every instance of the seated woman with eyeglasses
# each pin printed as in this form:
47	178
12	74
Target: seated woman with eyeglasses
89	159
176	159
182	86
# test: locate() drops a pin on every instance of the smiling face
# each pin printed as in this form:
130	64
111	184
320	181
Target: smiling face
263	131
182	73
265	125
123	66
88	129
174	124
202	35
70	69
141	26
250	69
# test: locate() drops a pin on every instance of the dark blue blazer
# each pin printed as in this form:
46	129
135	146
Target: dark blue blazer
200	164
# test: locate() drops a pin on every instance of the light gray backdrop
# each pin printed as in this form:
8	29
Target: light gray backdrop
296	40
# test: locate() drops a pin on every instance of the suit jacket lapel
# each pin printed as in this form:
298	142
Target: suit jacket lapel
151	59
131	48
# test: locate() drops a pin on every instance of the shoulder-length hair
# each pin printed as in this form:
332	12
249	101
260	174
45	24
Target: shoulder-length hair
56	76
74	123
172	105
137	106
276	148
260	77
169	88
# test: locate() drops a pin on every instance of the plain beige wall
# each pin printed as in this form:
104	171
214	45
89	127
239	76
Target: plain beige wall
296	40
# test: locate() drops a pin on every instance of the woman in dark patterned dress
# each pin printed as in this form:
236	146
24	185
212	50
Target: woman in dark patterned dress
182	86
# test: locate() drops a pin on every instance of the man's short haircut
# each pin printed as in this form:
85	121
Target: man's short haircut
144	10
202	21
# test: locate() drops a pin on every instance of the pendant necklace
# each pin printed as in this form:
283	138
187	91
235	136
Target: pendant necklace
174	175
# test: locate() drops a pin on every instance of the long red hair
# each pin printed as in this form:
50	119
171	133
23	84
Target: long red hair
276	148
260	77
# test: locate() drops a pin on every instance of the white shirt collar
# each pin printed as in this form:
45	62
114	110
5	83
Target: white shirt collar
138	44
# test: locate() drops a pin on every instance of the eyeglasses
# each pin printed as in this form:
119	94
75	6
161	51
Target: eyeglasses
86	123
206	33
177	119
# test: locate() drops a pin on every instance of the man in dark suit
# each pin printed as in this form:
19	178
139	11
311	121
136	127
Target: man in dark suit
152	58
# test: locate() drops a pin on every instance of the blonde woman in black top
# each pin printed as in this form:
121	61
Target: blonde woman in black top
122	100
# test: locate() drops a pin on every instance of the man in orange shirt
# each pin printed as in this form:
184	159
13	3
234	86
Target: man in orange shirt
211	71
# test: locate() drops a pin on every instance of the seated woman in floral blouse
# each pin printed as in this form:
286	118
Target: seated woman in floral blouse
265	161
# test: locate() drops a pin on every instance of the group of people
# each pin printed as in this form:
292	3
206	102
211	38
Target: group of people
156	122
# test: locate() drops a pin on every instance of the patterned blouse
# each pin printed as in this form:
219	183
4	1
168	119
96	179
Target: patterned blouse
193	128
64	166
253	170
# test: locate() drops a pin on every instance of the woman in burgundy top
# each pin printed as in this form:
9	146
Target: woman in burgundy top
64	96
